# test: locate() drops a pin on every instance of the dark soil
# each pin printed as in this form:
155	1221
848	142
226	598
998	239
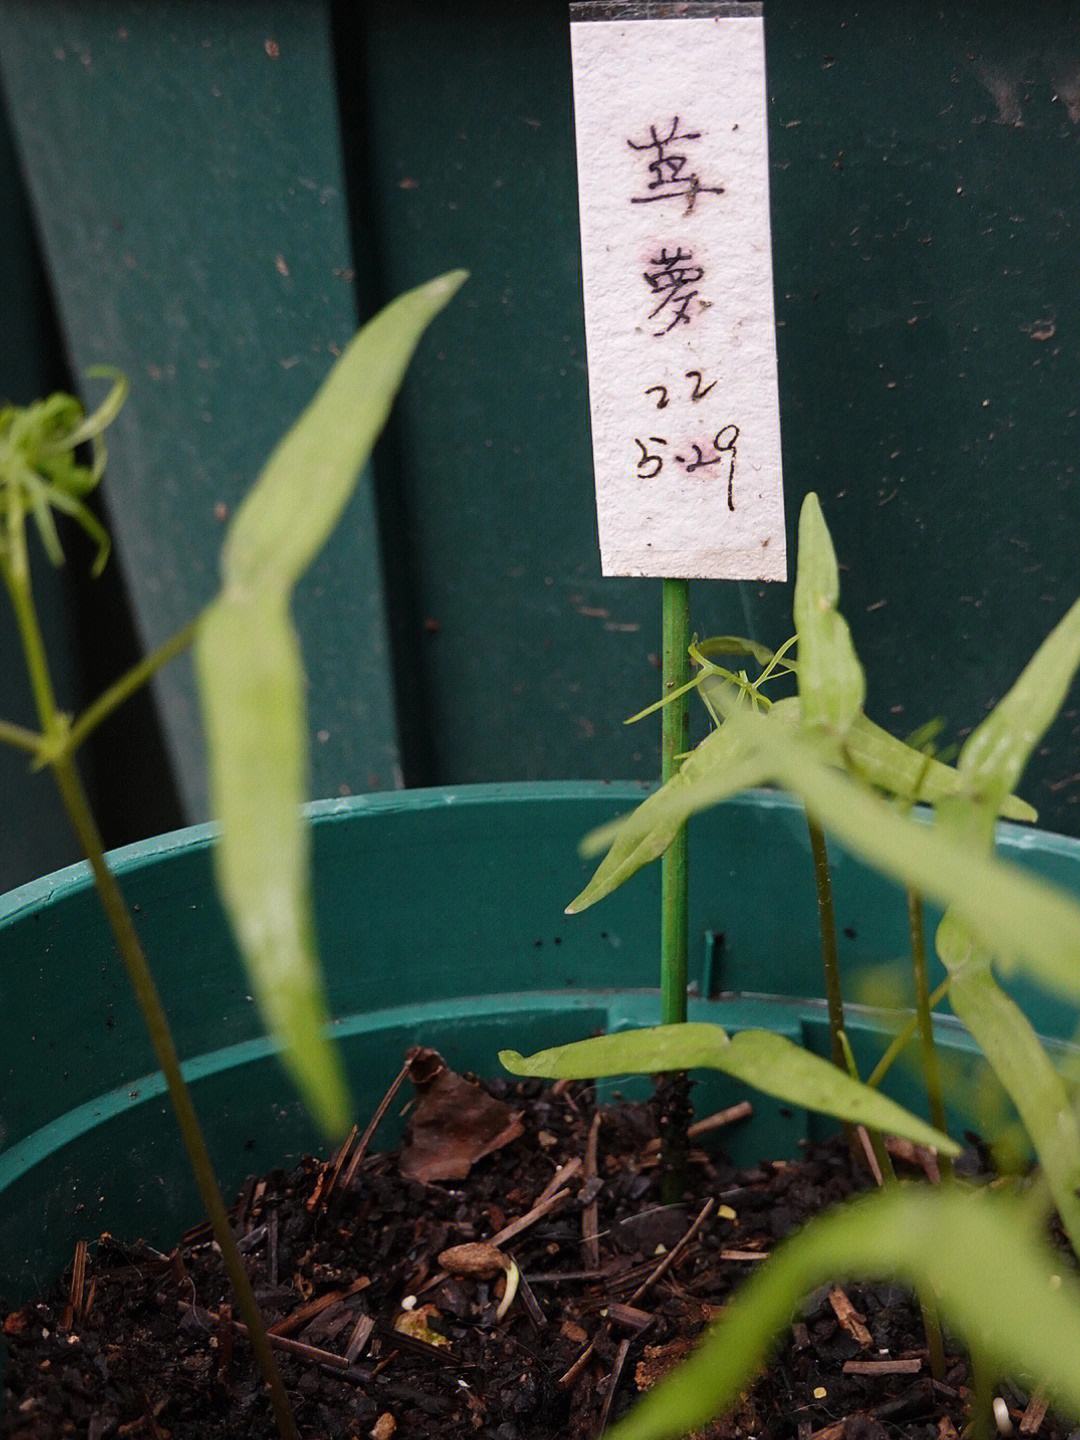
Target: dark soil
344	1254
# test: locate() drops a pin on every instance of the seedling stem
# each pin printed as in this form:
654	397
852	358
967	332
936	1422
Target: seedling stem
56	743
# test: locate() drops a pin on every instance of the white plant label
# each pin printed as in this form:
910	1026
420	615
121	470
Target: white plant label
672	150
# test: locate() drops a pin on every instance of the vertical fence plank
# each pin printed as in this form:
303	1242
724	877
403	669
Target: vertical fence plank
185	167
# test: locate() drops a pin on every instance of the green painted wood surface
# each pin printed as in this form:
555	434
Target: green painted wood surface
185	167
925	189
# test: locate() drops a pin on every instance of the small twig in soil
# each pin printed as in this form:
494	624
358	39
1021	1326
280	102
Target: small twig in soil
303	1313
272	1247
613	1384
73	1312
358	1340
251	1240
869	1156
849	1318
745	1254
628	1317
329	1173
590	1214
508	1232
918	1155
1035	1413
558	1180
565	1381
708	1123
883	1367
531	1304
538	1211
560	1277
675	1253
311	1353
372	1125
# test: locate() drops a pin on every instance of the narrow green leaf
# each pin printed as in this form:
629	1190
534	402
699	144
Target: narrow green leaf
990	764
287	517
720	760
1019	1060
252	686
716	645
722	765
994	756
831	682
997	1284
1010	912
891	765
769	1062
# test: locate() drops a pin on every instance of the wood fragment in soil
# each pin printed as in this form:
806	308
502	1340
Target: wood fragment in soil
717	1121
559	1179
745	1254
532	1305
303	1313
849	1318
590	1214
869	1156
565	1381
1035	1413
358	1340
374	1123
883	1367
920	1156
613	1384
835	1431
329	1172
675	1253
629	1317
312	1353
73	1312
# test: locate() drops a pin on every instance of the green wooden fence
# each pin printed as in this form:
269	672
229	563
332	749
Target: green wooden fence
221	191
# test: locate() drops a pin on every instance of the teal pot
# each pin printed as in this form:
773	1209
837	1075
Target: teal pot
440	917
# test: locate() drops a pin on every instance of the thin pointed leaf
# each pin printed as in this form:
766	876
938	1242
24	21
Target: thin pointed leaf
892	765
831	682
287	517
1022	1310
722	765
1019	1060
990	764
251	685
994	756
714	645
1010	912
769	1062
101	418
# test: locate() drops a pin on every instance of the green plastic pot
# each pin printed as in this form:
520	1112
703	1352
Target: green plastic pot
441	922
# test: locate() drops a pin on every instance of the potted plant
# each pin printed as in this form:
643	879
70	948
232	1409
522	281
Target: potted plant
435	883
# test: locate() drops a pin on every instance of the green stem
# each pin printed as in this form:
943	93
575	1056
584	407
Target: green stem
73	795
903	1038
830	961
674	878
928	1306
128	683
17	579
980	1424
20	737
675	740
931	1064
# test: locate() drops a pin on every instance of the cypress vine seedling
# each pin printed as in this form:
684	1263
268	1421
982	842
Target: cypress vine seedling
251	688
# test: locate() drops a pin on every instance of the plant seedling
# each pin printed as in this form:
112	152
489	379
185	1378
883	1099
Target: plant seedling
251	685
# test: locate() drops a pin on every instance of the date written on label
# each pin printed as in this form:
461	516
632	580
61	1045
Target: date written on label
677	273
